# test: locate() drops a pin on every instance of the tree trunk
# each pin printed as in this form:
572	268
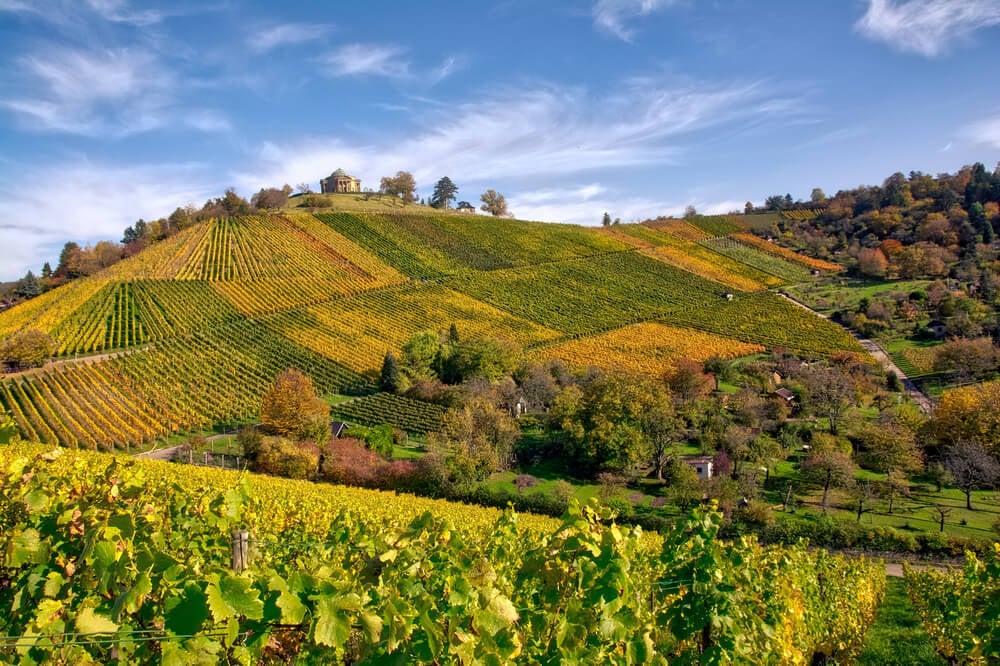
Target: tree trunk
861	508
826	490
968	498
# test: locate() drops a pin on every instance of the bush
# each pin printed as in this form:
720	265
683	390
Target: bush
350	462
27	349
523	481
283	457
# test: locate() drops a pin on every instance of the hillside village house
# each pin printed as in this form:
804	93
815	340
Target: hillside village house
702	465
340	182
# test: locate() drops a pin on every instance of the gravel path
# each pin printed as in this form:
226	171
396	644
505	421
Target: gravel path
925	404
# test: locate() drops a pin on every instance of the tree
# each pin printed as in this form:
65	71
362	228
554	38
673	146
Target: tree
421	356
830	393
687	381
28	287
69	261
606	220
46	271
817	195
828	466
304	188
28	348
971	467
444	193
685	486
872	262
402	186
494	203
232	203
291	408
748	208
966	359
390	379
476	440
661	428
689	212
271	198
720	368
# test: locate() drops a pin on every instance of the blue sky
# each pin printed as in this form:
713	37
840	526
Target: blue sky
112	110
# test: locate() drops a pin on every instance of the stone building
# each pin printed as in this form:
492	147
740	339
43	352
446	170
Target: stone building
340	182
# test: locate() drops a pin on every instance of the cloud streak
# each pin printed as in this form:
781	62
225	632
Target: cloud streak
286	34
986	132
927	27
613	16
109	93
367	60
516	137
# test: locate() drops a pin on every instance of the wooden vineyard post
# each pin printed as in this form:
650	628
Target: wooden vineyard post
241	550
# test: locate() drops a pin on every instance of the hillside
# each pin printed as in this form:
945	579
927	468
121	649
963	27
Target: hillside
210	315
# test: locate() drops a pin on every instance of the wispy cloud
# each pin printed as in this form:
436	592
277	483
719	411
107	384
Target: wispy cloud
613	16
284	34
367	60
927	27
540	132
986	132
95	200
109	93
68	13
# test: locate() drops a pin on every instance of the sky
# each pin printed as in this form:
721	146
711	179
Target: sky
116	110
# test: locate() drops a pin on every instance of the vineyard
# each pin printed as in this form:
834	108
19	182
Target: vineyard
201	322
134	562
413	416
647	348
960	610
762	261
785	253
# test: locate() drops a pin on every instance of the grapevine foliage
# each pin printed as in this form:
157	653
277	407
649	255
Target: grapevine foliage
107	561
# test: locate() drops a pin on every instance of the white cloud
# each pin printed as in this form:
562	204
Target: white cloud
986	132
282	34
613	15
541	133
928	27
86	202
109	93
367	60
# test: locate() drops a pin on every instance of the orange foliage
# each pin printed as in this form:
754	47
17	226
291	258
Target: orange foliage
785	253
290	408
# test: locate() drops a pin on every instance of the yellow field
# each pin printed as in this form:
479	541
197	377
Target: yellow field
684	259
648	348
678	229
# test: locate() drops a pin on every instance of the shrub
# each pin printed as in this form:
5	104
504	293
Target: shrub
283	457
522	481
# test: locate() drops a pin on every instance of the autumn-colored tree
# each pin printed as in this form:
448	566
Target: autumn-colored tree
27	349
968	413
494	203
872	262
291	409
476	440
688	382
971	467
966	359
283	457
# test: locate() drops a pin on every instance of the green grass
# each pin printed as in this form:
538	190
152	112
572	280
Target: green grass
897	638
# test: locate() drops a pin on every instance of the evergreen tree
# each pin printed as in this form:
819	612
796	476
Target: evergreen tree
606	221
46	271
444	193
453	333
28	286
390	379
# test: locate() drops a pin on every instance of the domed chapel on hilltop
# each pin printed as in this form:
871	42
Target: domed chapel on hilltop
340	182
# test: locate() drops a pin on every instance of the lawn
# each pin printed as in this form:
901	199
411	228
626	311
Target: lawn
897	638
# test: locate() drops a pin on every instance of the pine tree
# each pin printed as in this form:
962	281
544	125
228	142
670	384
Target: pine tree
444	193
453	333
390	378
28	286
46	271
606	221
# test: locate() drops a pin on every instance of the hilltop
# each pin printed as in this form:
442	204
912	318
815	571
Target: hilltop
210	315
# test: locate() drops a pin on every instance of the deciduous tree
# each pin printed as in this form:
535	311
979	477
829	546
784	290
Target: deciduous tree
27	349
494	203
971	467
828	466
291	408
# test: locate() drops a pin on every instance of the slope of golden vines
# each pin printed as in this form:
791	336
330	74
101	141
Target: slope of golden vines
163	259
358	330
678	229
47	311
354	253
712	270
922	358
648	348
785	253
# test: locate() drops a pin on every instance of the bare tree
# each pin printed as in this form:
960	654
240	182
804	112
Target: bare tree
972	467
494	203
828	467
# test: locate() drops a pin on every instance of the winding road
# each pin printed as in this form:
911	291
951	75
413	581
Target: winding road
921	399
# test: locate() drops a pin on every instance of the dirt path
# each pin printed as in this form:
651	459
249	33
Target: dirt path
925	404
160	454
895	569
72	361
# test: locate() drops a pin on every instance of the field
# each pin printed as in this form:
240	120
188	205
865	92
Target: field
413	416
146	561
201	323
